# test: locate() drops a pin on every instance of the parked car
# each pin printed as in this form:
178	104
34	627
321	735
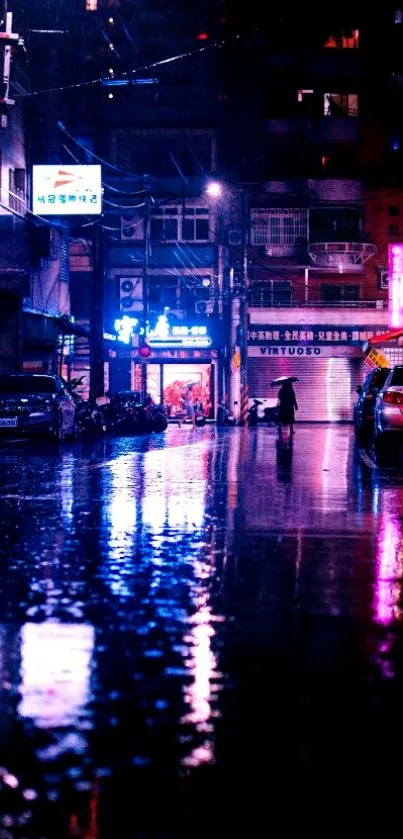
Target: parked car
32	403
364	408
389	408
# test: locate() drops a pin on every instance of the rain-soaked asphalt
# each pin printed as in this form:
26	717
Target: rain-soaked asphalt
200	635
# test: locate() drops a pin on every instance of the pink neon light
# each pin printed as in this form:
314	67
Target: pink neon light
396	285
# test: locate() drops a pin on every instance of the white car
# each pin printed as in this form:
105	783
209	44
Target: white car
389	408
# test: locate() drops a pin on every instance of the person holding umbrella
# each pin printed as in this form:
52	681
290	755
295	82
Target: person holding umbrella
287	401
188	405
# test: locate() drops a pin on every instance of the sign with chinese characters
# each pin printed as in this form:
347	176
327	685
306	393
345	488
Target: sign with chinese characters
165	335
376	358
395	285
310	336
66	190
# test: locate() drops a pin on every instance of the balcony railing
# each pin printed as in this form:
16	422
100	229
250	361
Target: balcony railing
257	301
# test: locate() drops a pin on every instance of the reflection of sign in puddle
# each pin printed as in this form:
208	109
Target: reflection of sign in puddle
55	672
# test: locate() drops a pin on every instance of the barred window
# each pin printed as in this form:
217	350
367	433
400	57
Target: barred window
279	226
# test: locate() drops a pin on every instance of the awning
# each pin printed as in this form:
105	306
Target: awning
69	327
43	329
391	335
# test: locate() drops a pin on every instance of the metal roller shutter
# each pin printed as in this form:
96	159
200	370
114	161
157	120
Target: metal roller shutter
325	390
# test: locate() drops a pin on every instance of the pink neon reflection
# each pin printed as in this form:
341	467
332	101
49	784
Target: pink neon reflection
387	562
396	285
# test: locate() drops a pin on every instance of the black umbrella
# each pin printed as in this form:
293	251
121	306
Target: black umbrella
282	379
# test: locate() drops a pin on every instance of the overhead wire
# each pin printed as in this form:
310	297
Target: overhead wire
128	73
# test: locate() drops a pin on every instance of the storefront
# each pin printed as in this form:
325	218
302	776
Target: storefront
170	371
180	355
327	360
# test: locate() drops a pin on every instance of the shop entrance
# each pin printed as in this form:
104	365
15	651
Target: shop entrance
166	383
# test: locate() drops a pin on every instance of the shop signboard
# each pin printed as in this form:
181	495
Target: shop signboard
376	358
303	351
178	335
66	190
262	335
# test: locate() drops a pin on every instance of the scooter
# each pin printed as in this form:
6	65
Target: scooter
253	413
224	415
89	419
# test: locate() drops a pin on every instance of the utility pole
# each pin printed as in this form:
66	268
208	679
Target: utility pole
143	337
239	312
8	38
97	316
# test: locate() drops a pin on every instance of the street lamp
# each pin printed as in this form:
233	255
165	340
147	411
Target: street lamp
214	189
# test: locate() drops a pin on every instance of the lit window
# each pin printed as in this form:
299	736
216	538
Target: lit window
399	16
303	93
340	104
346	40
91	5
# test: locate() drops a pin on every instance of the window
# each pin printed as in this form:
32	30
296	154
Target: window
171	224
164	224
195	225
17	189
340	104
271	293
162	292
397	377
27	384
285	227
302	94
393	230
393	210
345	40
339	293
399	16
91	5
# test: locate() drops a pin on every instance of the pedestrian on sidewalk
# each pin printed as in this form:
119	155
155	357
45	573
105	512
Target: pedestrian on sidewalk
287	405
188	405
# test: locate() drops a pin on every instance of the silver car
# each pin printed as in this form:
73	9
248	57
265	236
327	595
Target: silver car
389	408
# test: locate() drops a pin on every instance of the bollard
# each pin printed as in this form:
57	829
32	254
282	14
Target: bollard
244	405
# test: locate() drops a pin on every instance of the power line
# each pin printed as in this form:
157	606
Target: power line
127	73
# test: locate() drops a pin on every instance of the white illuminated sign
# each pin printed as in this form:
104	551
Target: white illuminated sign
177	336
125	328
66	190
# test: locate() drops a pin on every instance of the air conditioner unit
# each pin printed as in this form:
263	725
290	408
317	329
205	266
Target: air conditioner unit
132	229
235	236
130	294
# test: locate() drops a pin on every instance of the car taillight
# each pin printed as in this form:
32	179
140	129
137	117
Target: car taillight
393	397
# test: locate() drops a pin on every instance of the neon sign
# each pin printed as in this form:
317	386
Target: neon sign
396	285
164	335
125	328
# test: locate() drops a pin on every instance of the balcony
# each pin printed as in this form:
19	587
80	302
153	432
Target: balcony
259	299
341	256
312	130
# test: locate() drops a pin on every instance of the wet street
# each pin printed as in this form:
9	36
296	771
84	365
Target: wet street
200	633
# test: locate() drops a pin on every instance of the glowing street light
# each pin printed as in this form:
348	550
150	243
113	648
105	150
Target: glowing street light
214	189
